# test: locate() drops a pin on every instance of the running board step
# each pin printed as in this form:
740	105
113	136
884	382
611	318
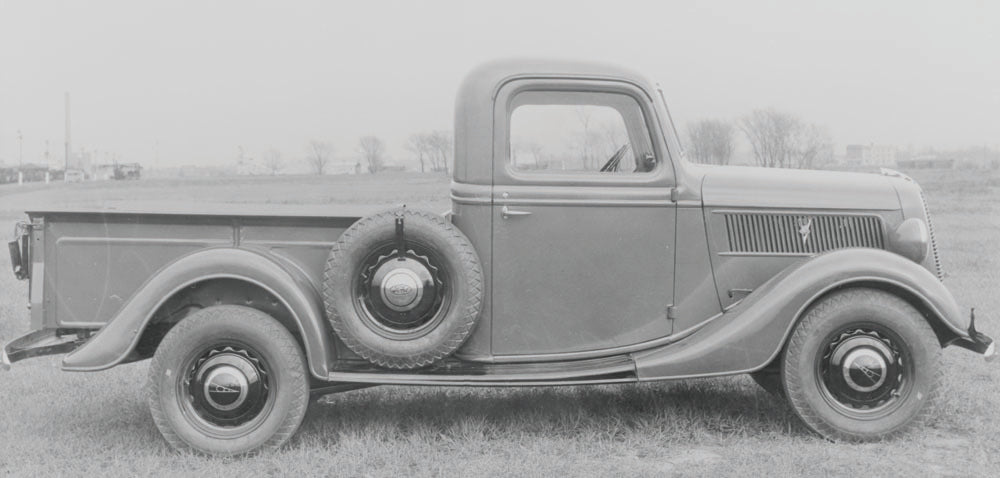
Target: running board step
617	369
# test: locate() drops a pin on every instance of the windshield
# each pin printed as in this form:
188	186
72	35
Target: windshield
677	137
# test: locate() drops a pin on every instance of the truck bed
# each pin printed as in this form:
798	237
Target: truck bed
95	259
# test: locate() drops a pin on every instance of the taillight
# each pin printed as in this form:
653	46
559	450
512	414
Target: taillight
20	259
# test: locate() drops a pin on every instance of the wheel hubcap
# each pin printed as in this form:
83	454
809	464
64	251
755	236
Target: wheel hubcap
227	386
863	371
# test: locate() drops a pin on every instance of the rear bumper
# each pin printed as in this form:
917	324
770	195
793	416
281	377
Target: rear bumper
41	342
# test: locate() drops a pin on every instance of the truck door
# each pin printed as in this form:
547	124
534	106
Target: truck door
583	223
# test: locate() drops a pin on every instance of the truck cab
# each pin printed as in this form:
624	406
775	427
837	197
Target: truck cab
561	230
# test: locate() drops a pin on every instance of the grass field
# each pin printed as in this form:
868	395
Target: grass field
58	423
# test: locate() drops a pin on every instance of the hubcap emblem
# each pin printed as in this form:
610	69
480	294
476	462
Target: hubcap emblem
864	370
226	388
401	290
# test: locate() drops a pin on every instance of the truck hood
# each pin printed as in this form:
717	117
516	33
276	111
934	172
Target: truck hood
743	187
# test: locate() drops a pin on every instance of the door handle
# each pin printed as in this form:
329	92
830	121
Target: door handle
507	213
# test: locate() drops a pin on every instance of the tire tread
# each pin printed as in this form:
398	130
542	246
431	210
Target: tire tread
795	388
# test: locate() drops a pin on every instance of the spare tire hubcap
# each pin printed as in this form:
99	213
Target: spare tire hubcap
401	289
402	294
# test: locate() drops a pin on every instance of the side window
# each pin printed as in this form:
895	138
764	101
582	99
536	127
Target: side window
577	132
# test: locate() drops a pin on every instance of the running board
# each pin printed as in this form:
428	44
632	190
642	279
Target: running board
617	369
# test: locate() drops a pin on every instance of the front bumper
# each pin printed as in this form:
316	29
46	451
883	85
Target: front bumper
977	341
41	342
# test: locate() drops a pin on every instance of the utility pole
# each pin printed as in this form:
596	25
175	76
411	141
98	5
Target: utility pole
48	164
20	158
66	157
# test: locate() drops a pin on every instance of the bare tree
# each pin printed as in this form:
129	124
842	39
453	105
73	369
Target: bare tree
612	138
418	145
770	134
273	161
584	114
521	148
711	141
812	142
320	155
782	140
536	150
441	146
373	150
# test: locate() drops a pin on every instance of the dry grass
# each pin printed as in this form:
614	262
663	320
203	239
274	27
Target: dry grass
57	423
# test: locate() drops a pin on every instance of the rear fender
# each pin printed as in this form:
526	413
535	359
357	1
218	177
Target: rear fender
116	340
748	336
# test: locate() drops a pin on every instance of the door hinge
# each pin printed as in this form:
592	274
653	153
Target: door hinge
671	312
674	194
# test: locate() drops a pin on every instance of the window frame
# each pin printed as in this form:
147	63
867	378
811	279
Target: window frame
506	173
634	128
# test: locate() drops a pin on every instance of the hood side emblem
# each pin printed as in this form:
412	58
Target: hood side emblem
805	228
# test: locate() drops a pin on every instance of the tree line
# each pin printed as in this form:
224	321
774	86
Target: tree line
777	140
433	151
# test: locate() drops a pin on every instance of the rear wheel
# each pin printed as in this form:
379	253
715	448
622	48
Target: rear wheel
228	380
862	365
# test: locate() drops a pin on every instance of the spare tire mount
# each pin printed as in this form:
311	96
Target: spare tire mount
401	289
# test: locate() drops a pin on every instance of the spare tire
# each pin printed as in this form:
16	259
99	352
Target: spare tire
408	309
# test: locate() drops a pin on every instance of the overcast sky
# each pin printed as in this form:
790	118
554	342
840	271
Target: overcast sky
200	78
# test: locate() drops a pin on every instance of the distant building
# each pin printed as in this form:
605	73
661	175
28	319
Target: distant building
855	152
870	155
926	162
31	173
101	172
82	160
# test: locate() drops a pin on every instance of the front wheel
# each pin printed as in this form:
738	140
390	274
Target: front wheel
862	365
228	380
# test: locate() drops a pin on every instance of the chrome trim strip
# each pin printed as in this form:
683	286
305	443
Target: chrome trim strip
800	212
778	254
584	202
141	240
562	202
463	380
471	200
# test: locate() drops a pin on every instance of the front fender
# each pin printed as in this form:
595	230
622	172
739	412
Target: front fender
113	343
748	336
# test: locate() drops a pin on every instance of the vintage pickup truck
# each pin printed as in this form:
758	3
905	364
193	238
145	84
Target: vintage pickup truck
581	248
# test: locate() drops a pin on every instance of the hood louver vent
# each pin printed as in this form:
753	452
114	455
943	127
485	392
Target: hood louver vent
767	233
930	231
